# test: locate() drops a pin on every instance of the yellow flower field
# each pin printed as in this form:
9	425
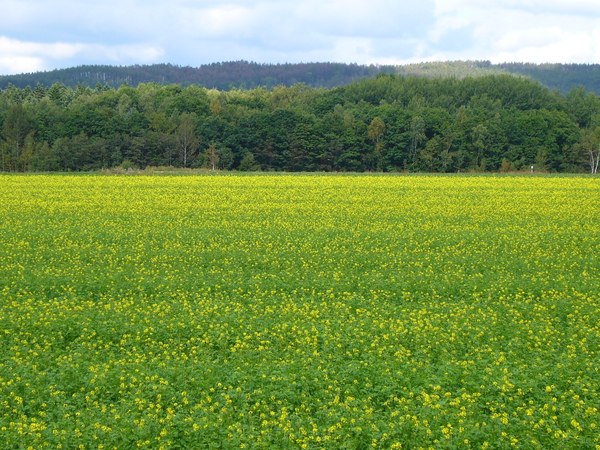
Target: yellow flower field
297	311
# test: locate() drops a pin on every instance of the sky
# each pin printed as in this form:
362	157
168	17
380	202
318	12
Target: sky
37	35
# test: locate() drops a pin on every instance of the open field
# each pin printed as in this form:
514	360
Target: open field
299	312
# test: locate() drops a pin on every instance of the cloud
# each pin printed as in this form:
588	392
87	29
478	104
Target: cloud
517	30
11	65
562	7
366	19
44	34
19	56
570	7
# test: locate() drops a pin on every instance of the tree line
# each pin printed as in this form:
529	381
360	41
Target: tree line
387	123
250	75
221	75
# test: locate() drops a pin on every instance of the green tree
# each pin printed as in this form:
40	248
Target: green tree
590	144
376	132
186	137
44	159
15	129
417	137
212	156
58	94
594	159
226	157
479	136
541	160
248	163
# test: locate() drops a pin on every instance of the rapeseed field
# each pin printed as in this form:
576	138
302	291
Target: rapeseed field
292	311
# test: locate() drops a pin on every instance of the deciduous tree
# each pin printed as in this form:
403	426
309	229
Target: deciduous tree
186	137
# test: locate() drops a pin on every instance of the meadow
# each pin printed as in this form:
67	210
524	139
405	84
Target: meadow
299	311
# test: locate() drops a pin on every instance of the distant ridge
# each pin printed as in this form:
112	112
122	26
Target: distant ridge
222	76
249	75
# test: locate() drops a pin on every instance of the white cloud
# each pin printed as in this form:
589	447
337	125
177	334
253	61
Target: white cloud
519	30
574	47
44	34
20	56
570	7
366	19
17	56
227	21
15	47
10	65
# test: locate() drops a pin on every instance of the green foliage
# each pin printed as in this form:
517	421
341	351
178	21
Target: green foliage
299	311
248	163
223	76
248	75
387	123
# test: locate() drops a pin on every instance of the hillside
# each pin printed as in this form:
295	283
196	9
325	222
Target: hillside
249	75
387	123
222	76
563	77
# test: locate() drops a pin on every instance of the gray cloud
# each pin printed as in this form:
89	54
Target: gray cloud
43	34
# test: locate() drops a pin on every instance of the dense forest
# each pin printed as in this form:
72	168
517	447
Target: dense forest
563	77
386	123
250	75
222	76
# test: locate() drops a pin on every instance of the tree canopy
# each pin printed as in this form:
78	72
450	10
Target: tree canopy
387	123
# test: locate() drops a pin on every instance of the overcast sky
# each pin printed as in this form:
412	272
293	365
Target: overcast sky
48	34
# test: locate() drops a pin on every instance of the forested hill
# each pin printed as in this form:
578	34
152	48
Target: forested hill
221	76
249	75
563	77
387	123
